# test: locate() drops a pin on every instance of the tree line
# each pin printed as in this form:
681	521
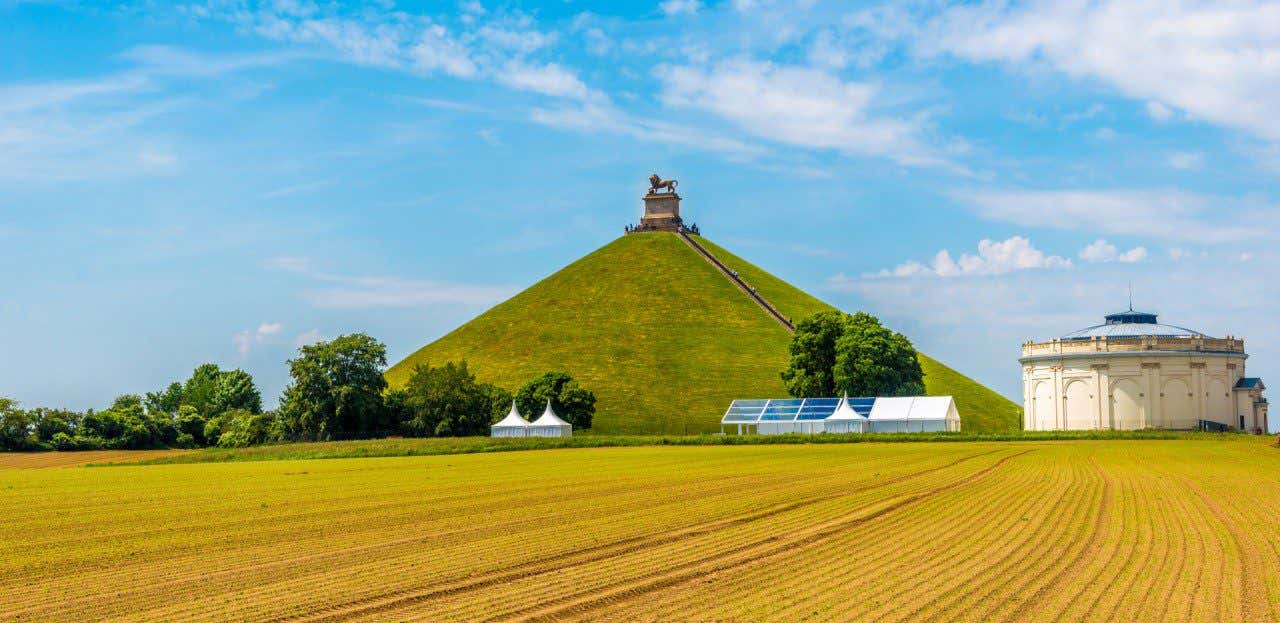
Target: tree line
337	391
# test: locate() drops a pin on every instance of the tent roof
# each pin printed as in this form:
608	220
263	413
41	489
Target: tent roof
513	419
912	408
845	412
932	408
894	408
549	418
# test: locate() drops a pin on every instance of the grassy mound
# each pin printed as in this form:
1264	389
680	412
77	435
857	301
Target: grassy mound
661	337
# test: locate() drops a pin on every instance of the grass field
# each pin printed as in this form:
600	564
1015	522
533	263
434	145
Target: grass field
1035	531
662	338
472	445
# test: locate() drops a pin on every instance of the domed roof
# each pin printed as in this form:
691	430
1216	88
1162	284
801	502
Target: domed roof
1131	324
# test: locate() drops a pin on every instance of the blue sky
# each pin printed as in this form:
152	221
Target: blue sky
221	181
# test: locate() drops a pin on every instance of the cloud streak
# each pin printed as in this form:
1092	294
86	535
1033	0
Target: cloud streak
374	292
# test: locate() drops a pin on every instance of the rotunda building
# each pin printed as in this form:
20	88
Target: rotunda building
1132	372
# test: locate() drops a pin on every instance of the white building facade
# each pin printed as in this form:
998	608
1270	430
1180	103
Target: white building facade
1132	372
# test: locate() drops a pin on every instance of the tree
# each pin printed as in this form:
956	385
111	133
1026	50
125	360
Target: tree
127	425
235	390
242	428
50	422
337	388
200	402
872	360
834	353
570	401
499	402
813	355
167	400
199	389
17	428
446	401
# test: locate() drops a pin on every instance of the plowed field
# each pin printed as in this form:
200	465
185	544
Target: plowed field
1046	531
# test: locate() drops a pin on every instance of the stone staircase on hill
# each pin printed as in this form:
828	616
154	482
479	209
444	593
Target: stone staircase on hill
738	281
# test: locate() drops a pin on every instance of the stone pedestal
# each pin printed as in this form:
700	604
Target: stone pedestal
661	212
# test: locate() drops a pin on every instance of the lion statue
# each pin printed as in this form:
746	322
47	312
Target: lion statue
657	183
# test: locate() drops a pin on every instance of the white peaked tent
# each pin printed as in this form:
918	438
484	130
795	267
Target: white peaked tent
511	426
845	419
550	425
914	415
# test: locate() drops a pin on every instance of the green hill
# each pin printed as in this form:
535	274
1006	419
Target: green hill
663	339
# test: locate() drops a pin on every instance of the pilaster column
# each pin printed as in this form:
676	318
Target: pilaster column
1058	415
1151	403
1197	388
1102	400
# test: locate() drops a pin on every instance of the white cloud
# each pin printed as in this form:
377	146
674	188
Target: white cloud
1133	256
307	338
1091	112
168	60
289	264
243	341
490	136
1105	134
294	189
1218	61
797	106
1167	214
1159	111
1186	160
993	258
548	79
247	339
679	7
519	38
1102	251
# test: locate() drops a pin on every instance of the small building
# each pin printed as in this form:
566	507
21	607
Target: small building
514	425
1131	372
550	425
842	415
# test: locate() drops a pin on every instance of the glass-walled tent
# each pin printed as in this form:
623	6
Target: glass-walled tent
855	415
511	426
784	415
550	425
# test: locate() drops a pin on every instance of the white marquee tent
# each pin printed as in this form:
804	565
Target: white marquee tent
550	425
845	419
914	414
511	426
